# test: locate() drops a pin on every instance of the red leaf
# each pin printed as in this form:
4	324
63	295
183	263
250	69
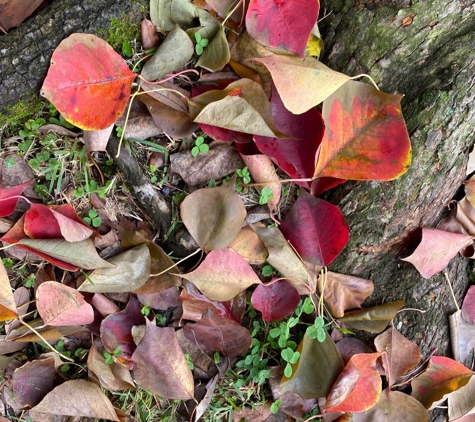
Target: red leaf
7	206
442	377
225	135
275	301
88	82
296	155
366	137
436	249
469	304
116	330
219	334
322	184
282	24
358	387
316	229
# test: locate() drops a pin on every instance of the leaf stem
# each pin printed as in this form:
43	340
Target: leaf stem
228	15
364	75
176	263
451	290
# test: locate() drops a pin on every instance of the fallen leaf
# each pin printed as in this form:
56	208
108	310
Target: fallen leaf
161	15
316	229
462	336
394	406
64	254
349	346
14	12
342	292
8	206
250	247
276	300
401	354
312	81
462	401
317	369
213	216
88	82
442	377
215	333
468	305
160	365
148	33
8	308
60	305
222	275
103	305
217	163
129	271
286	25
205	402
262	171
97	140
358	387
373	319
283	258
216	54
170	56
368	126
33	381
435	250
77	398
23	334
296	155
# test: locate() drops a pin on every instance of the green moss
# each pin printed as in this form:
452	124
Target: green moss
14	116
121	30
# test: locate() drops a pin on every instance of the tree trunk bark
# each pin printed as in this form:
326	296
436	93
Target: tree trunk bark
26	51
423	50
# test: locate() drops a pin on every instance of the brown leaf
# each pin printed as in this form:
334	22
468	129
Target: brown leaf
162	300
14	12
343	292
219	161
77	398
373	319
250	247
213	216
96	140
7	301
149	35
219	334
401	354
222	275
349	346
160	365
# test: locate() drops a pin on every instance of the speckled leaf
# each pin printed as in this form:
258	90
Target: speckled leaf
160	365
222	275
282	24
171	56
365	135
435	250
88	82
213	216
316	229
77	398
442	377
358	387
401	354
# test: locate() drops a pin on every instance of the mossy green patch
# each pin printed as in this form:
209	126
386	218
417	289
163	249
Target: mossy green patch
16	115
123	29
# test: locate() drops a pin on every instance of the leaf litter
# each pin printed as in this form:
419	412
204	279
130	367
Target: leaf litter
134	301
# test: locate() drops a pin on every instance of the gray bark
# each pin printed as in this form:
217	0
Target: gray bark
25	52
423	50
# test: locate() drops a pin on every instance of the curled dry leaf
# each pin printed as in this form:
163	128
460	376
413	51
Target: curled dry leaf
88	82
8	308
462	336
462	401
401	354
129	271
222	275
215	333
213	216
8	206
60	305
77	398
160	365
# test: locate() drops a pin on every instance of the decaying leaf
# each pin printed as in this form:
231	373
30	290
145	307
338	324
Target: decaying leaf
8	308
14	12
462	401
462	336
160	365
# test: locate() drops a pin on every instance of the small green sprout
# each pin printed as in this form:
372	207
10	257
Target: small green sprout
274	407
93	219
201	43
266	195
316	331
145	309
200	146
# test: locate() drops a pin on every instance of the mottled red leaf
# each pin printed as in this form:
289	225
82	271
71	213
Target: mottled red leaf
219	334
282	24
88	82
358	387
160	365
316	229
33	381
296	155
365	135
401	354
60	305
442	377
276	300
116	330
222	275
436	249
7	206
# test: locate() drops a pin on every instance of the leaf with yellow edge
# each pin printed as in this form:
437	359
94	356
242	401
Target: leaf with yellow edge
7	301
